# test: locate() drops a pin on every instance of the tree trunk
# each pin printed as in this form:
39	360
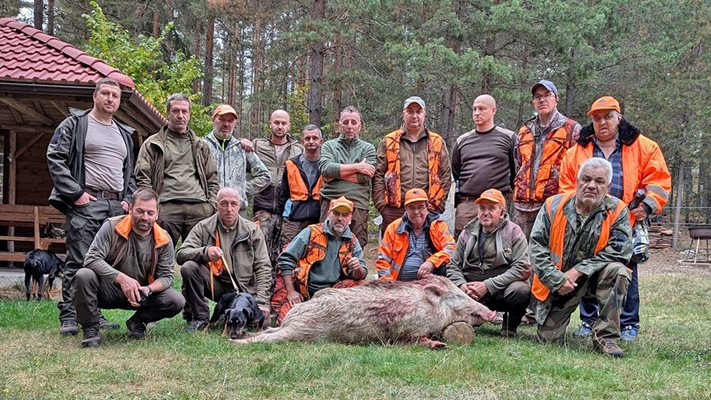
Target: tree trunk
39	14
209	70
318	13
50	17
156	26
232	73
255	112
449	96
338	84
677	210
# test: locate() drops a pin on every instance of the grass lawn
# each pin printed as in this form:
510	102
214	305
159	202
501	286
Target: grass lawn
671	359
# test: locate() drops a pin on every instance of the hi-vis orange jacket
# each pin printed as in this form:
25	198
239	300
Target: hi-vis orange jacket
298	190
558	140
643	166
315	252
436	192
393	248
559	222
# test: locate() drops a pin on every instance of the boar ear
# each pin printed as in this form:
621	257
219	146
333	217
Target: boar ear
435	289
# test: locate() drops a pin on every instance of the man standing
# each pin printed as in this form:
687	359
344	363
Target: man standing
299	197
580	244
274	151
232	160
223	253
347	166
481	159
491	261
637	163
540	147
416	244
129	266
320	256
90	160
411	157
180	168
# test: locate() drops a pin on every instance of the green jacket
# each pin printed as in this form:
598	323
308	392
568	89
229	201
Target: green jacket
343	151
268	198
150	164
249	259
579	244
505	256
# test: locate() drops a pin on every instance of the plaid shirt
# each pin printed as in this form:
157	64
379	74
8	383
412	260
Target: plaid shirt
616	187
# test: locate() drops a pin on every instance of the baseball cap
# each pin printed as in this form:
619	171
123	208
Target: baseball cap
414	195
414	99
341	203
223	109
604	103
546	84
492	195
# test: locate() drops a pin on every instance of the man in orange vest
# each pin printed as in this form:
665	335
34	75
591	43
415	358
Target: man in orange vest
416	244
299	197
637	164
321	256
411	157
540	146
579	246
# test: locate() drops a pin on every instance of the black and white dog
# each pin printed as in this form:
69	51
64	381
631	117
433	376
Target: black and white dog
39	263
237	310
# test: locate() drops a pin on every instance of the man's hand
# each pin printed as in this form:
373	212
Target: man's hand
266	310
294	297
130	288
366	169
84	199
571	277
247	145
638	213
124	205
567	287
214	253
475	290
425	269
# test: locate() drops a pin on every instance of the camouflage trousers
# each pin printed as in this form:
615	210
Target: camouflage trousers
608	287
270	224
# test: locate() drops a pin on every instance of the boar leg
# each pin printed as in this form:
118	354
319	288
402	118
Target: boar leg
433	344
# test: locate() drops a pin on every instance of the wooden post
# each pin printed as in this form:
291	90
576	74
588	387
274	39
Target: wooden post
36	223
677	206
12	185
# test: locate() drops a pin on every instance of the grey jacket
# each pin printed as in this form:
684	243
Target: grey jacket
65	160
249	259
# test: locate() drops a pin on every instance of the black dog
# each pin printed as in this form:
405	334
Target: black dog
238	310
38	263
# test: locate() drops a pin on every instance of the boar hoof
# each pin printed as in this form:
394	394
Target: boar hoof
433	344
458	333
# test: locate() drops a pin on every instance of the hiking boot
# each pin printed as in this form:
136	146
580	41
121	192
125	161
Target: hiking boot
91	337
136	330
106	324
585	330
528	320
608	347
196	325
629	334
69	328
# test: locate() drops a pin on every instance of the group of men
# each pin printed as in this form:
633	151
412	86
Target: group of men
310	212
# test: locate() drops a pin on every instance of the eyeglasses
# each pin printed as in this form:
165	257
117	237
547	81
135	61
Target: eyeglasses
540	97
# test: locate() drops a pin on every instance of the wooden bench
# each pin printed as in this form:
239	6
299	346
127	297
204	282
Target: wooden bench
35	217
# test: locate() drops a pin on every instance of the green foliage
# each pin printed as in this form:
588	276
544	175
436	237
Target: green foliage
142	59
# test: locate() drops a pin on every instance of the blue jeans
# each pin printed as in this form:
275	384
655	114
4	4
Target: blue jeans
630	314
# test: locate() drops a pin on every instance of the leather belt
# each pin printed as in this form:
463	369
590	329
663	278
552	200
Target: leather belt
103	194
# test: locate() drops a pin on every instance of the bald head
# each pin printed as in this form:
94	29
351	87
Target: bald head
483	111
280	125
227	191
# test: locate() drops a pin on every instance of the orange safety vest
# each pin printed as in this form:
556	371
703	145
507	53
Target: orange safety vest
298	190
557	236
554	148
392	175
123	227
315	252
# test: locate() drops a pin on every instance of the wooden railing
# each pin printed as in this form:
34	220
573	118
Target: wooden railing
36	217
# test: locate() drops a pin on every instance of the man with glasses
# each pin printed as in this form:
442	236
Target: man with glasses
411	157
637	163
416	244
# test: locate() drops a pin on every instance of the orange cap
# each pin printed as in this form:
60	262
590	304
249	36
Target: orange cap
604	103
223	109
414	195
492	195
343	203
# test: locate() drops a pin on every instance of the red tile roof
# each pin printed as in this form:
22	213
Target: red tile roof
28	54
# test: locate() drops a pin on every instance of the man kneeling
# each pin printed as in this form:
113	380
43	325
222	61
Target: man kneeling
129	265
580	244
491	261
320	256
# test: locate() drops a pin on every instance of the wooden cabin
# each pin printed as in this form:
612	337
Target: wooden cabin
41	77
